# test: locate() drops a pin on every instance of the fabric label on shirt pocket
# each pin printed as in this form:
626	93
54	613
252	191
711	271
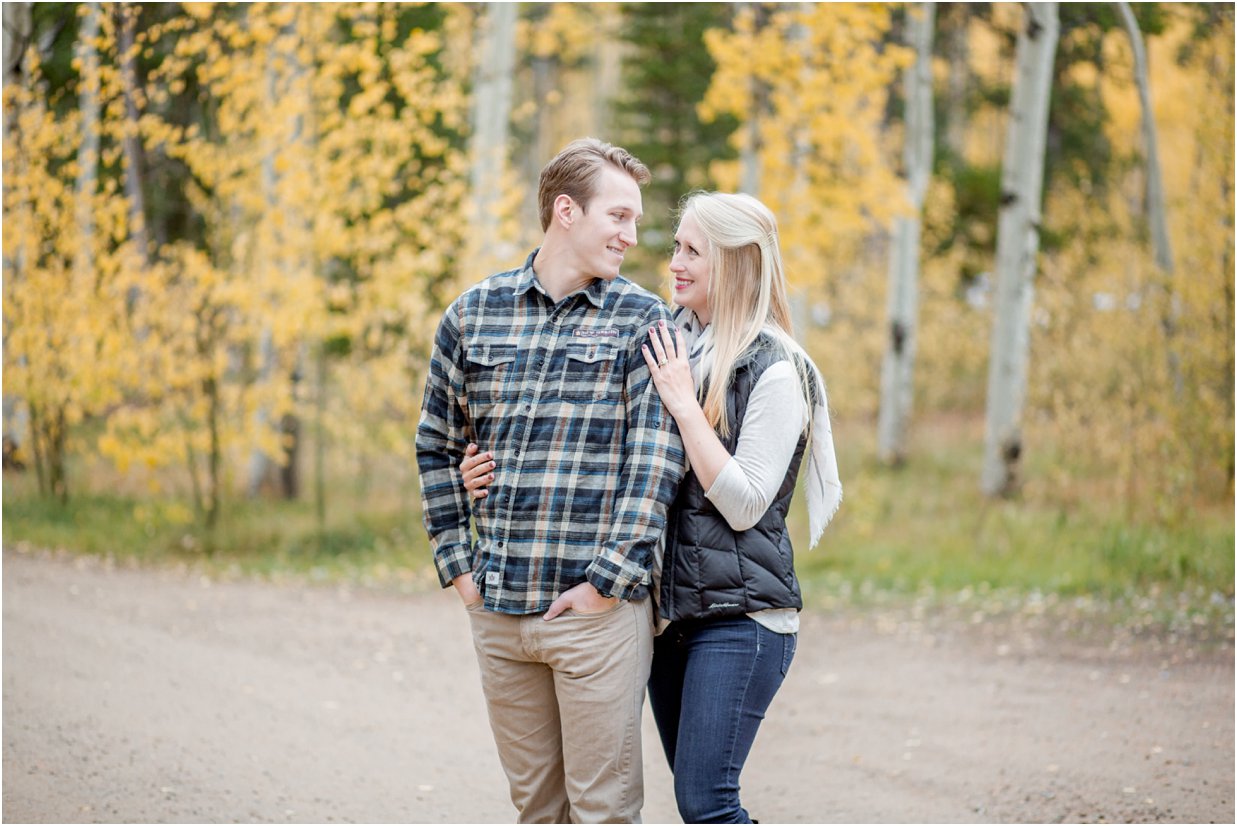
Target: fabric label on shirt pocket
589	372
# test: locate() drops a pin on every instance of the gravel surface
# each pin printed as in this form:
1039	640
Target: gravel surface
162	696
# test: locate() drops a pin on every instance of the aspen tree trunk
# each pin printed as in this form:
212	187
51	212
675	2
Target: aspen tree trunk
1156	212
800	40
261	466
88	154
1155	186
491	120
607	68
214	456
47	424
303	142
1022	177
18	30
749	156
541	148
195	484
283	77
898	369
127	15
57	431
36	449
957	54
290	436
320	382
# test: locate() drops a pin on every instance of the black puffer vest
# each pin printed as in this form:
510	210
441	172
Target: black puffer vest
711	570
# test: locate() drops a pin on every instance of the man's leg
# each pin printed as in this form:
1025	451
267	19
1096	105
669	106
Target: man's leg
523	716
601	667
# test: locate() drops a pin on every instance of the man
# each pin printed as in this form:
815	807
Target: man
542	365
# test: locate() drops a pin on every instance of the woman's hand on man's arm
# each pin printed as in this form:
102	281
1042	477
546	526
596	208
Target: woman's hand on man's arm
478	471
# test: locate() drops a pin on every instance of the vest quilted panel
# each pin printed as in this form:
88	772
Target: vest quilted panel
712	570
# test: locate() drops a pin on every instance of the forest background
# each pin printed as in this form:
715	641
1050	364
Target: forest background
230	230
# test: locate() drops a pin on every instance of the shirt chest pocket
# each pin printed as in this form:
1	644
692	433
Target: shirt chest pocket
490	373
591	373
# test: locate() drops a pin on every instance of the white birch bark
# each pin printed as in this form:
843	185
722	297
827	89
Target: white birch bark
957	51
88	153
898	368
127	15
749	155
1022	176
541	147
262	465
284	76
1155	186
18	30
799	38
492	92
1157	216
607	68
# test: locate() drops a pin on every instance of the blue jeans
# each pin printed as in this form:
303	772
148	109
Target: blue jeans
709	688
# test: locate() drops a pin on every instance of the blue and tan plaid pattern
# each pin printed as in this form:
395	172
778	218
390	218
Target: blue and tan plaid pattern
587	457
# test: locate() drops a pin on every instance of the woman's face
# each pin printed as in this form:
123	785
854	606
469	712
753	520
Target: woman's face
690	267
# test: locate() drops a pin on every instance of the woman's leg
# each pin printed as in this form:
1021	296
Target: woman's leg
734	667
666	686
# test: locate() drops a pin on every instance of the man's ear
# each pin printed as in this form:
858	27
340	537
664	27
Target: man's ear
564	210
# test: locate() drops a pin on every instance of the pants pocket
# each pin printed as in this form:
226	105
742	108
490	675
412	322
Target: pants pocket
571	612
789	645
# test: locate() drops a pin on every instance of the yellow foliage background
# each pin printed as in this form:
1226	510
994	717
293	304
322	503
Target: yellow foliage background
333	195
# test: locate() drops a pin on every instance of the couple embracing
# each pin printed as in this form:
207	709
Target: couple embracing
629	536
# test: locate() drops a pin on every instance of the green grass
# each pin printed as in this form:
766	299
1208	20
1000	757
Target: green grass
922	529
380	544
925	528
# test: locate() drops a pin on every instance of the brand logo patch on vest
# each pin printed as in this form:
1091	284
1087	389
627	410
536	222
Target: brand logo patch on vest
717	605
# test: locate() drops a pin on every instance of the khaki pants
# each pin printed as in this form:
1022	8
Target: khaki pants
564	699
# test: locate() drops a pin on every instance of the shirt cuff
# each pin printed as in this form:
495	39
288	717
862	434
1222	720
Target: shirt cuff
614	576
452	559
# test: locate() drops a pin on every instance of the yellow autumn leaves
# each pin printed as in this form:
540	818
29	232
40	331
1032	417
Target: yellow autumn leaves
325	150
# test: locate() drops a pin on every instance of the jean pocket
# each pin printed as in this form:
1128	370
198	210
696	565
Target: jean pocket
789	645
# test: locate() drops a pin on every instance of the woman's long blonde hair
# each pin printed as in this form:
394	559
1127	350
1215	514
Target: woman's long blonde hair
747	293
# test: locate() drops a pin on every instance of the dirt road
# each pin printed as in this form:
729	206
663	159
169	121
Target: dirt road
157	696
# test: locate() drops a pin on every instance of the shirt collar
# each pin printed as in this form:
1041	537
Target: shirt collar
595	292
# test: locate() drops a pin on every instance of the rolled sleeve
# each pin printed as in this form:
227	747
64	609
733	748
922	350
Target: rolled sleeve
652	469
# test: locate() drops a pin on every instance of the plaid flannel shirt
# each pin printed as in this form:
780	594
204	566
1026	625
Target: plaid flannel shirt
588	459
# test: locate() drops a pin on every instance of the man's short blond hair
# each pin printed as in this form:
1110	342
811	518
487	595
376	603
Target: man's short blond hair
574	172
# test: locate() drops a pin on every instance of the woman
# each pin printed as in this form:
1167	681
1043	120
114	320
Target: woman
749	405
